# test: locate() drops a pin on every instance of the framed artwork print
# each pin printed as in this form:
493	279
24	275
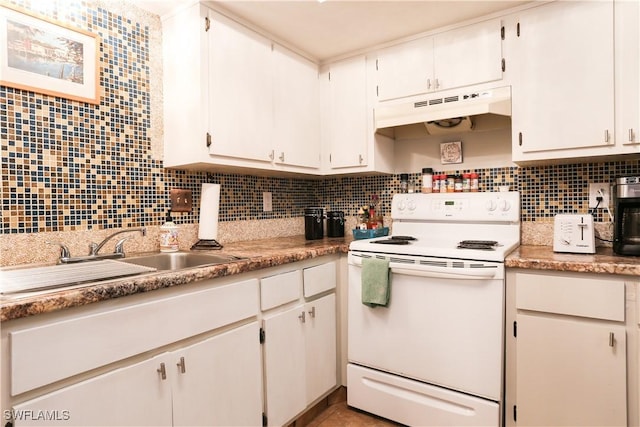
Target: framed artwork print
450	152
42	55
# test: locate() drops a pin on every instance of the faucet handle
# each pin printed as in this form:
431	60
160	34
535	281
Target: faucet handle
119	249
93	248
64	250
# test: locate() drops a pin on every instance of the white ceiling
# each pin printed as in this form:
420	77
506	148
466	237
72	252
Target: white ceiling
338	27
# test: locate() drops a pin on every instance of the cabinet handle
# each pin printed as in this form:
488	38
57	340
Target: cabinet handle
312	312
631	135
606	135
281	157
163	371
182	366
611	339
437	85
302	317
272	154
428	83
360	158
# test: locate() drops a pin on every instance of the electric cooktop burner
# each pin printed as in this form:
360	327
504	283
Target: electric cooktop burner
396	240
487	245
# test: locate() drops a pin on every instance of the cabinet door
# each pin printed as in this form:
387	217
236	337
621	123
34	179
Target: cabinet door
135	395
218	382
240	91
296	110
406	69
562	98
284	361
347	113
568	374
627	67
468	55
320	344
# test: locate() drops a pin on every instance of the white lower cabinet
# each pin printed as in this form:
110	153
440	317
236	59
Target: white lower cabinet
567	353
173	358
300	345
215	382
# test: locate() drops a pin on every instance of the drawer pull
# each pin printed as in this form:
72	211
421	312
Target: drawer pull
182	366
611	339
163	371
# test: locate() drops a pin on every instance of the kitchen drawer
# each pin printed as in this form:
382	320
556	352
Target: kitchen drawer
575	295
280	289
319	279
44	354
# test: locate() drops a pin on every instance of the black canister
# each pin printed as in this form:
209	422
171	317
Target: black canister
335	224
313	223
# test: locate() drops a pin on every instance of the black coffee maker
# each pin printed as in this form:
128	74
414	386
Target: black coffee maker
626	234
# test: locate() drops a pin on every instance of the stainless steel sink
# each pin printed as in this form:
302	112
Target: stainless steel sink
179	260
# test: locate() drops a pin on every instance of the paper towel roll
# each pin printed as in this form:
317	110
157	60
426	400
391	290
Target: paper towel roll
209	203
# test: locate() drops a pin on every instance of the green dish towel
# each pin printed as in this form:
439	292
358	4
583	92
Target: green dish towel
376	283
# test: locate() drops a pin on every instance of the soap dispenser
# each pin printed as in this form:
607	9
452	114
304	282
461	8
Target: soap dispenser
169	235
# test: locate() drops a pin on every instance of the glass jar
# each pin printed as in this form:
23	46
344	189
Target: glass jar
404	182
466	182
473	182
427	180
451	183
457	184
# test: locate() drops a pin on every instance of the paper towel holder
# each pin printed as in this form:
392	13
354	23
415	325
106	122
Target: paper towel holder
206	245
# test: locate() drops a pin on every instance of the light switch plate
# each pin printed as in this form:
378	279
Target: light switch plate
267	205
181	200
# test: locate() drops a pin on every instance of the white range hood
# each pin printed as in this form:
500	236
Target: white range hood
453	112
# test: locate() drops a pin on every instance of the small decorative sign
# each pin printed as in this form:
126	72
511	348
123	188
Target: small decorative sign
450	152
46	56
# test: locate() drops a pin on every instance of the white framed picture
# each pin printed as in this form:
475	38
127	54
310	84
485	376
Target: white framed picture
450	152
46	56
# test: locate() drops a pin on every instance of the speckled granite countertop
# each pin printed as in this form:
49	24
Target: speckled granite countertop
259	254
603	261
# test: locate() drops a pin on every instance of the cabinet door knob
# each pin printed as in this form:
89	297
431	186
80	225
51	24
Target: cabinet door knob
163	371
312	312
182	366
302	317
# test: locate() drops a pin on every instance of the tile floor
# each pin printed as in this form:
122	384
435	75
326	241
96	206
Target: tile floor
340	415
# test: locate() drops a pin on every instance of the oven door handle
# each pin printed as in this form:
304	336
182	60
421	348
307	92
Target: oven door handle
447	272
439	272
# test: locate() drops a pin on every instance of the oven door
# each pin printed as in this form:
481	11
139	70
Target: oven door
444	324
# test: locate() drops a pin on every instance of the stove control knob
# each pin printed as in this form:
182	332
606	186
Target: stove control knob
412	205
505	205
401	205
491	205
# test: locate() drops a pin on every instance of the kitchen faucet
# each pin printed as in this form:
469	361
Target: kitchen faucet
94	248
119	248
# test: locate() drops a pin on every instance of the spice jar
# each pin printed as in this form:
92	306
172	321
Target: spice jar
466	182
473	182
427	180
457	183
404	182
451	183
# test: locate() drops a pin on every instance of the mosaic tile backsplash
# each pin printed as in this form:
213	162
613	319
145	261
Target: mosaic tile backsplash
68	165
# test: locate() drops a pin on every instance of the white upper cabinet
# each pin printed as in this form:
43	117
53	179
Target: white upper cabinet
234	99
240	93
627	69
563	84
296	100
456	58
349	140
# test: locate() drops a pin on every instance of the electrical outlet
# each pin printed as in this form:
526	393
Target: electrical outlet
593	193
267	205
181	200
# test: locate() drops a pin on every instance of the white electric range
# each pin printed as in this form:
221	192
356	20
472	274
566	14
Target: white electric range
434	355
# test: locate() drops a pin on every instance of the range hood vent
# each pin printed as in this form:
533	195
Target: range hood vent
438	113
